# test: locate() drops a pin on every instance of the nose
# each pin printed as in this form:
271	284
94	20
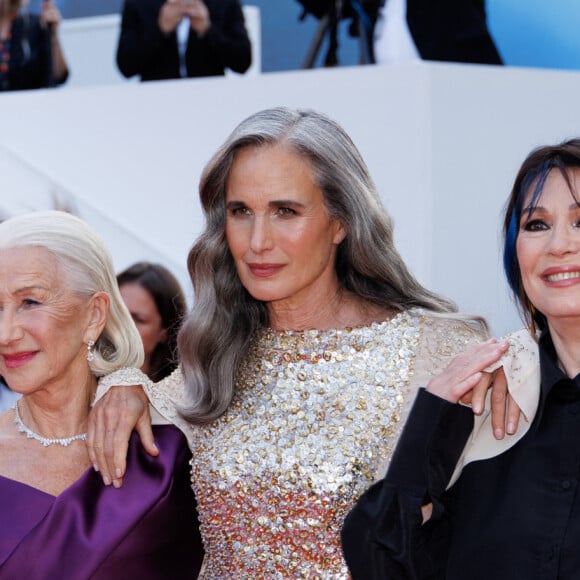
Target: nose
564	239
10	329
261	234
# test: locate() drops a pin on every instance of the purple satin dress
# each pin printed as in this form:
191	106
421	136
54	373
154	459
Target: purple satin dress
148	529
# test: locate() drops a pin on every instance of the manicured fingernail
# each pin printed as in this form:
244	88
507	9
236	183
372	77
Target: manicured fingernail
95	467
511	428
477	408
118	473
106	480
116	483
498	434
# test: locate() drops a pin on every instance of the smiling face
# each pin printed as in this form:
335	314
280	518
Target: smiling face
548	250
278	230
43	326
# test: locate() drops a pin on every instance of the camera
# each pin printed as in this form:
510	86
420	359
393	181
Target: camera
348	8
363	15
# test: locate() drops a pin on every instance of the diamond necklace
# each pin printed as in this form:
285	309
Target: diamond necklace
46	441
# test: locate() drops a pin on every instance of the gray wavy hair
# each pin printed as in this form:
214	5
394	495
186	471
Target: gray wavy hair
217	333
88	268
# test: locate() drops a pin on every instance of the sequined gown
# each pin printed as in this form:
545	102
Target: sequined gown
312	425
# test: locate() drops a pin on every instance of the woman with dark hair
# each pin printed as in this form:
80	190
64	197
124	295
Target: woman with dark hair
157	304
31	55
456	503
307	340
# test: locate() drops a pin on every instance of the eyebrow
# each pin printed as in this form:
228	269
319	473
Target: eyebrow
30	288
273	204
542	209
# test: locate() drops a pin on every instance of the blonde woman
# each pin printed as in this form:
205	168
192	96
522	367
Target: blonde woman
63	324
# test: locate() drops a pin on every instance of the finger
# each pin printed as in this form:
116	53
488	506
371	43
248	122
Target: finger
453	391
117	444
114	440
466	399
146	435
499	397
116	448
96	440
479	393
465	371
513	416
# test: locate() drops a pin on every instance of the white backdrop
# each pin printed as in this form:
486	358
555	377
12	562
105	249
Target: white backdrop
443	143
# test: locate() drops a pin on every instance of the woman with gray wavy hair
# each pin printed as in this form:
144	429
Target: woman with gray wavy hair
305	345
63	324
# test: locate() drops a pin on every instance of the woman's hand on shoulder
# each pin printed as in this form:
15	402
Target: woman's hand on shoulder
110	424
466	381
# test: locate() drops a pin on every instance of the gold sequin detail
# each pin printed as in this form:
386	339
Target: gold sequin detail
314	414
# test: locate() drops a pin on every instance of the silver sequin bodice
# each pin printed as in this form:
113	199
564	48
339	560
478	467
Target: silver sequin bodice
314	415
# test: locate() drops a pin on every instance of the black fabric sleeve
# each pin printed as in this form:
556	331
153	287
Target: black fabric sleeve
384	535
225	45
140	40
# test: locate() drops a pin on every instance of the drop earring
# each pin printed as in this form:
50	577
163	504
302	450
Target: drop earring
90	354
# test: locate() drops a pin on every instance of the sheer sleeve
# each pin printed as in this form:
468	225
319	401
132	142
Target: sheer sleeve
165	397
442	337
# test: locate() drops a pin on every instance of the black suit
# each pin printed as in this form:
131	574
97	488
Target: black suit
144	50
451	30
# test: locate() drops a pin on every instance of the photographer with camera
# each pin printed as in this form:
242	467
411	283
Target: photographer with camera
170	39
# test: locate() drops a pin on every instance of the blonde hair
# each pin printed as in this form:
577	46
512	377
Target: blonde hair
88	267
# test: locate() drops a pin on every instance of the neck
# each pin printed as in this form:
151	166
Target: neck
295	314
566	339
339	310
58	416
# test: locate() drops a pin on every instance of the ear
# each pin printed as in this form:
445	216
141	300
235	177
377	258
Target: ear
98	310
339	232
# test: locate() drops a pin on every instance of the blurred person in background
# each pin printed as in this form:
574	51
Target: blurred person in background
448	30
182	38
31	55
157	304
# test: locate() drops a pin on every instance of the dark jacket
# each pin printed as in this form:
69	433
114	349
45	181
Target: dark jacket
452	30
144	50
